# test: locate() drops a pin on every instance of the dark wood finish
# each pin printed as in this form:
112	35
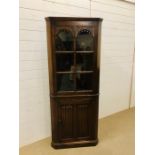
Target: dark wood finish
74	111
72	19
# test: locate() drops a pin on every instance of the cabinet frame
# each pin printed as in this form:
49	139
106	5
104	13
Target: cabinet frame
73	107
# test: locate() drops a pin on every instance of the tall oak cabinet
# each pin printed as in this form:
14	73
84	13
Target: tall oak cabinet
73	64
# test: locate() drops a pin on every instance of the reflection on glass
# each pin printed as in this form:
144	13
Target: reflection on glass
65	82
64	41
84	61
64	61
84	81
84	41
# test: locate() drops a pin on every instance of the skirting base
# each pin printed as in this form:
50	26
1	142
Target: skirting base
74	144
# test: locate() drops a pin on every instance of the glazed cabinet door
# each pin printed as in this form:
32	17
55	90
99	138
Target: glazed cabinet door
64	59
75	59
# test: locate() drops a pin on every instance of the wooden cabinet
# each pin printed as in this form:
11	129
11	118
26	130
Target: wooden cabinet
73	60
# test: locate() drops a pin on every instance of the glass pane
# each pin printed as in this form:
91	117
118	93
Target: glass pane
84	81
84	61
65	82
64	40
64	62
84	41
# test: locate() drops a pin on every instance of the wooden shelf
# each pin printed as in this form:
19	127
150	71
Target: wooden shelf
75	91
84	51
76	72
63	52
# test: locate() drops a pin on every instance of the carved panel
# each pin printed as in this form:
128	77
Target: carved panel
82	120
66	121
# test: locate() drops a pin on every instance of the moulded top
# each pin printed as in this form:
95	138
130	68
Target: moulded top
74	18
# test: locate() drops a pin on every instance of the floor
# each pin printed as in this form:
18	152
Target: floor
116	137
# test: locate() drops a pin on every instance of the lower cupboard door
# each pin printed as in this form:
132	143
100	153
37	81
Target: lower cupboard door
74	122
77	119
82	121
66	122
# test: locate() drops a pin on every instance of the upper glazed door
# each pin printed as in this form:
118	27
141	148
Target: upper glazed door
75	58
84	58
64	40
64	56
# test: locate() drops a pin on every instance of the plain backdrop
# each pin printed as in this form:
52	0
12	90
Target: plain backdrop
145	83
